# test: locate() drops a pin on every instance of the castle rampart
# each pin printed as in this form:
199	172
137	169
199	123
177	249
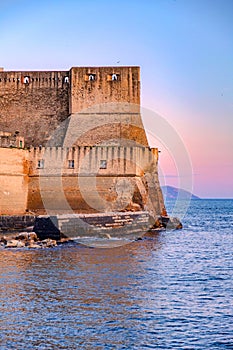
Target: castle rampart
85	145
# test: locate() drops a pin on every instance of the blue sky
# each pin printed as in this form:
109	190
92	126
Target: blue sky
184	48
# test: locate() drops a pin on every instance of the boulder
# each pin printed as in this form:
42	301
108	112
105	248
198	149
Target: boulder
20	244
13	243
49	242
22	236
34	245
33	236
27	236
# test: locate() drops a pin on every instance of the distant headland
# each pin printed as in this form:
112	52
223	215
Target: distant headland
171	192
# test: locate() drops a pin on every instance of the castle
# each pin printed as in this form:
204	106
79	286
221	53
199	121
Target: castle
74	141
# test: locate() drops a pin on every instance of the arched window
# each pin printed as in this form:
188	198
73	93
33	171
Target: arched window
114	76
91	77
66	80
26	80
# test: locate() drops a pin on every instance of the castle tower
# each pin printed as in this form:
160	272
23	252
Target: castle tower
105	106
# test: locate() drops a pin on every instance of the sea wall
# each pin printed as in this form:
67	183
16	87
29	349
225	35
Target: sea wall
104	225
16	223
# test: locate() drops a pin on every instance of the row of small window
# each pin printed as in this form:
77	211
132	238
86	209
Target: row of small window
27	79
113	77
40	164
91	77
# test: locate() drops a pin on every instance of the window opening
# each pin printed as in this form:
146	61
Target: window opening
103	164
26	80
40	164
114	76
71	164
91	77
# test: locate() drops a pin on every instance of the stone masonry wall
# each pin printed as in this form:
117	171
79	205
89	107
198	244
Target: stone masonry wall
36	103
86	93
86	179
13	181
33	103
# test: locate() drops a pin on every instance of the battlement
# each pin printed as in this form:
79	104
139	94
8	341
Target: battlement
33	79
91	161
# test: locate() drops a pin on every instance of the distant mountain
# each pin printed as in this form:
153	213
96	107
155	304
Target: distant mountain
170	192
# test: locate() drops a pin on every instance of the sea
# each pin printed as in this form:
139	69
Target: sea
168	290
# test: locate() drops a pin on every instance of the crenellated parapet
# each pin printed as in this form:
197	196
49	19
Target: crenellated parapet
29	80
91	161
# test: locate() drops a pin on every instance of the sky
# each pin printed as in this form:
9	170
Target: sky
184	49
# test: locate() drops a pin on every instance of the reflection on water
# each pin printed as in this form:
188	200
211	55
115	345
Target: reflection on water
168	291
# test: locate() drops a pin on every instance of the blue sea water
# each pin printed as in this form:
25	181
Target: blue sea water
171	290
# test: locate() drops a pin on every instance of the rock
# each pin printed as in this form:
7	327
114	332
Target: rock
27	236
22	236
13	243
34	246
3	240
33	236
174	224
20	244
49	242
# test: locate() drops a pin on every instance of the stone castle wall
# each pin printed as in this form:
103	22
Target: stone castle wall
36	103
14	169
77	179
110	84
98	159
33	103
88	179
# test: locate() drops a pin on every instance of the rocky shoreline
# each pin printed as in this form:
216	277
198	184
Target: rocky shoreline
50	231
26	240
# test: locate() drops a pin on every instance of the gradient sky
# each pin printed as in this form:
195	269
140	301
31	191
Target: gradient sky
184	49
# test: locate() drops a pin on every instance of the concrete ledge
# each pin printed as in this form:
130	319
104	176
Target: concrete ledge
11	223
116	224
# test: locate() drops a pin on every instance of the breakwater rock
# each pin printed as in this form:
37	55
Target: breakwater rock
26	239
